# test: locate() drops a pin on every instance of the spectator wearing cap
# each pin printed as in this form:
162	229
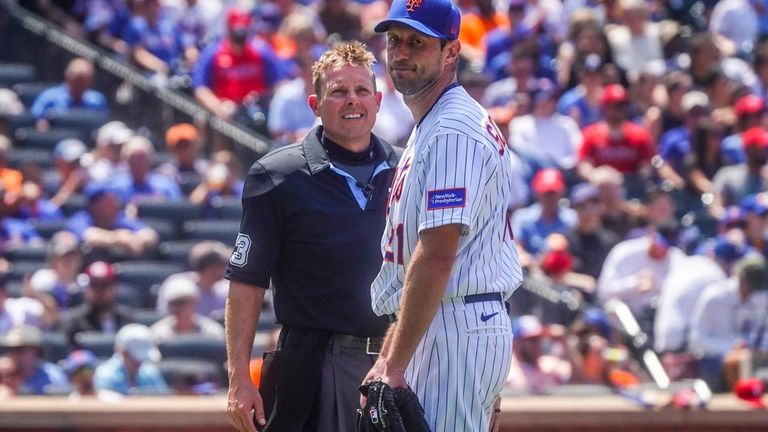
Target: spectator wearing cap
59	278
589	241
100	311
79	366
290	117
635	41
681	288
582	101
155	43
533	369
105	228
236	74
24	344
729	318
616	141
182	297
635	269
207	263
750	112
534	223
104	163
734	182
545	138
754	209
74	92
183	141
675	144
140	183
71	175
132	370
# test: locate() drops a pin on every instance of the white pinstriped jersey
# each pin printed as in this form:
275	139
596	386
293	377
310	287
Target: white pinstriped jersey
456	169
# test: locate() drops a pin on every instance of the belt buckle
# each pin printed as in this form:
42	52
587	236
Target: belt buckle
368	347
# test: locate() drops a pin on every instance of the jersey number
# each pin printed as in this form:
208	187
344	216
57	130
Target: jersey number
239	257
496	134
389	254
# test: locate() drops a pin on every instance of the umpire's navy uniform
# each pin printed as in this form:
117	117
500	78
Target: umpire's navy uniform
314	214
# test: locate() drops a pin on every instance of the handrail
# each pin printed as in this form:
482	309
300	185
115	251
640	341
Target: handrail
100	57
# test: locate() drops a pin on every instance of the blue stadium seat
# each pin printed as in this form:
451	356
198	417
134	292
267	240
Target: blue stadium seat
144	275
178	211
15	73
147	316
129	295
228	208
222	230
74	204
100	343
176	251
29	91
55	347
187	373
29	137
20	268
83	120
191	346
166	229
27	252
14	122
47	228
42	158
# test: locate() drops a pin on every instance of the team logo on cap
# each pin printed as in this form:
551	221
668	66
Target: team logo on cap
412	5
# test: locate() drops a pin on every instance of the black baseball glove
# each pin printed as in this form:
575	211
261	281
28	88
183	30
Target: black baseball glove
388	410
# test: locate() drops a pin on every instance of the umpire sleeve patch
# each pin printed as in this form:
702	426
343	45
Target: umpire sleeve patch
239	256
446	198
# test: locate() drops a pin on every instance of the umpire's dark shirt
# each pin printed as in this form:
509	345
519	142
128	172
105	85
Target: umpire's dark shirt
308	235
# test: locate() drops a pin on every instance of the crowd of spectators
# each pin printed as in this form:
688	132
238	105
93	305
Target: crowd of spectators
638	133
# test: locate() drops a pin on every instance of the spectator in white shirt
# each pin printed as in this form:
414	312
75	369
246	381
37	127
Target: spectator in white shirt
182	303
634	270
636	42
736	23
729	318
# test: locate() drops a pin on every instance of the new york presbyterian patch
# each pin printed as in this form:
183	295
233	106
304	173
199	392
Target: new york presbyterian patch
446	198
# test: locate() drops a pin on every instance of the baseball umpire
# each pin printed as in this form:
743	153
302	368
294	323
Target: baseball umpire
313	214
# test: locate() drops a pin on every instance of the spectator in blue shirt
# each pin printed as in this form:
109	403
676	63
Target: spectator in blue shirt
24	344
103	227
74	92
582	101
155	43
132	369
140	183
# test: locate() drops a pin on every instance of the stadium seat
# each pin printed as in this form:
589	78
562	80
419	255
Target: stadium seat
29	137
20	268
143	275
29	91
100	343
83	120
227	208
129	295
14	289
15	73
47	228
55	347
27	252
147	316
178	211
42	158
188	373
192	346
176	251
74	204
14	122
166	229
222	230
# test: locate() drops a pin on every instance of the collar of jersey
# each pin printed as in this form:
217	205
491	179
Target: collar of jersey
317	158
445	90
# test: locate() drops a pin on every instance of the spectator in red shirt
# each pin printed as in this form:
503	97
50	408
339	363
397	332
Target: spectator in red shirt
235	76
615	141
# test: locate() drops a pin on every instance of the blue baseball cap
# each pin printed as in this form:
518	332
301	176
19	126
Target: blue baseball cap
435	18
755	203
78	360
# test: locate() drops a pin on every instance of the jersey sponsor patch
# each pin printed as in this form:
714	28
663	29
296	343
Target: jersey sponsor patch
446	198
239	256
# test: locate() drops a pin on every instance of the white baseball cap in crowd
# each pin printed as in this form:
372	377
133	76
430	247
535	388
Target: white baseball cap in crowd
136	340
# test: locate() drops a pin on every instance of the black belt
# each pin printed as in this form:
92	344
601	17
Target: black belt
295	337
471	298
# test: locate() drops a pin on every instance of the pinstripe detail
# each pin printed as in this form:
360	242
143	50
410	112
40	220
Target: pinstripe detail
461	362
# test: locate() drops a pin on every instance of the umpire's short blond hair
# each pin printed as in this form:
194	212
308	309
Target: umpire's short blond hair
345	53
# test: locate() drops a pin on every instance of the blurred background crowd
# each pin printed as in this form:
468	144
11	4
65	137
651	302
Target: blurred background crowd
638	132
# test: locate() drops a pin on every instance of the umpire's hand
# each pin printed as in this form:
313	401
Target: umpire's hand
244	404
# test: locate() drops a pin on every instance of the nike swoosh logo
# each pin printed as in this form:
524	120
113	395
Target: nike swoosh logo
484	317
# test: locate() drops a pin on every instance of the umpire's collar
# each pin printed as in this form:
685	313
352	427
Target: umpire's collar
317	157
